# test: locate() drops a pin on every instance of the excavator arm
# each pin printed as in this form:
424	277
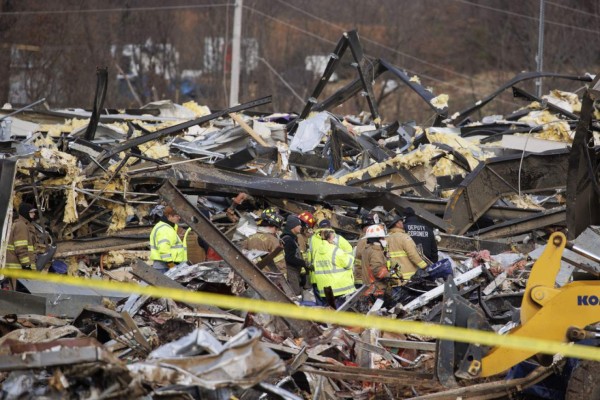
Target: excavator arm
546	313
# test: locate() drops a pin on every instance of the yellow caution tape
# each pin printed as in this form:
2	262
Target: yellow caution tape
323	315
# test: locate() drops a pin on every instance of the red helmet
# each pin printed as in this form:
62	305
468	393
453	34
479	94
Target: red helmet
307	218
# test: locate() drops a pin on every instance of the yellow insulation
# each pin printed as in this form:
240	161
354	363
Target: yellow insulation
417	157
467	149
553	127
571	98
155	149
120	212
321	214
524	201
122	257
199	111
440	102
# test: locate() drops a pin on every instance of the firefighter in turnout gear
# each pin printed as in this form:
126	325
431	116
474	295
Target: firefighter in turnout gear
308	222
375	261
265	239
166	247
364	222
22	247
22	240
402	249
332	268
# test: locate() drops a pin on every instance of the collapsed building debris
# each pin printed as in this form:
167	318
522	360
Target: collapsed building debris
494	202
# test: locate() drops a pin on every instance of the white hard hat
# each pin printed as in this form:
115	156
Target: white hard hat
375	231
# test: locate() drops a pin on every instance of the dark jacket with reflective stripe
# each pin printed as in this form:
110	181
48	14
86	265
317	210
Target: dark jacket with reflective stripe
293	255
20	251
423	236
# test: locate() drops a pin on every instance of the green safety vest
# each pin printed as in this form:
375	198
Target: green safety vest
315	242
333	267
165	244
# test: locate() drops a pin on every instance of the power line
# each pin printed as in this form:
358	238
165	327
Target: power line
514	14
573	9
460	88
381	44
283	81
109	10
287	24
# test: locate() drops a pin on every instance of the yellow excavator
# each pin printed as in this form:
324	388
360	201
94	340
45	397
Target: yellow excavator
567	313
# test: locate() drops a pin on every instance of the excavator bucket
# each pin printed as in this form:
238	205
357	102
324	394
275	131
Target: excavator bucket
456	311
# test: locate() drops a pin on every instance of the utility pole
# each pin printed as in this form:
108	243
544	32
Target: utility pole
540	53
234	89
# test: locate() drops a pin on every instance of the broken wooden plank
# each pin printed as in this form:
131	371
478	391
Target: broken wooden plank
248	129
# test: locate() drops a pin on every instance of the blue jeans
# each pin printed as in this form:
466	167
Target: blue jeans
160	266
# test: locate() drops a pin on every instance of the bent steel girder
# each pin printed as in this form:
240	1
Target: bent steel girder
364	67
204	179
416	87
334	60
519	92
501	176
459	117
553	216
437	206
101	87
367	68
377	68
583	192
342	95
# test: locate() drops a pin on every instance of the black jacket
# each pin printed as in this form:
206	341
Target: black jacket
293	257
423	236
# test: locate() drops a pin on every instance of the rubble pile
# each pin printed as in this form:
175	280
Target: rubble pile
493	190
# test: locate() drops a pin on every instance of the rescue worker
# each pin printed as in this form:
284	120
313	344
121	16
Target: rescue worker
308	223
316	240
402	249
293	257
332	268
375	261
265	239
166	247
22	241
364	222
422	234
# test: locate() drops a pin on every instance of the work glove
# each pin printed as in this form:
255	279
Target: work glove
170	264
